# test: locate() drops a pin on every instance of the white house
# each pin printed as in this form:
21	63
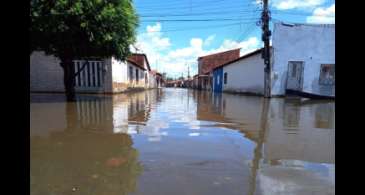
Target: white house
98	76
303	59
242	75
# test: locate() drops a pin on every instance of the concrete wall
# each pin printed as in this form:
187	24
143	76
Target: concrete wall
245	75
152	83
132	81
108	77
313	44
46	74
119	75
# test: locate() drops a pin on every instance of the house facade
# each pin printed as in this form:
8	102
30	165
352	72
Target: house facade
303	63
206	64
97	76
303	59
242	75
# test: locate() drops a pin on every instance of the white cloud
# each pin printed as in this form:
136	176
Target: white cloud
323	15
153	36
196	42
209	40
175	61
294	4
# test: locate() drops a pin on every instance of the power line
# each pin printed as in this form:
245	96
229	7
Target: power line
277	12
201	27
194	20
187	6
175	3
195	14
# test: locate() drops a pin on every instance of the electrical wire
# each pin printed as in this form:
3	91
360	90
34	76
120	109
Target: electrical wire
194	20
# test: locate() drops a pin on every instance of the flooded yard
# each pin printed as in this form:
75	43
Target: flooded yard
181	142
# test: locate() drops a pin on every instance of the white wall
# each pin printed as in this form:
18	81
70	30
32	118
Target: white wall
108	79
245	75
46	74
152	80
141	80
313	44
119	72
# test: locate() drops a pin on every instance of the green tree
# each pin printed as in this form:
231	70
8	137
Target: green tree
80	29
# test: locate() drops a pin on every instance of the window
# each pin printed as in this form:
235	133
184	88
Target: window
137	75
327	74
225	78
130	74
218	80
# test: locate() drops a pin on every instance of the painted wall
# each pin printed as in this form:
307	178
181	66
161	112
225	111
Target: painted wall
313	44
152	83
46	74
119	75
132	81
246	75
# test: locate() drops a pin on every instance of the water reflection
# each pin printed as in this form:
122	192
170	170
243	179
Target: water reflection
187	141
299	154
294	138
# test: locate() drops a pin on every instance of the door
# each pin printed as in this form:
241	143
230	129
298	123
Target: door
295	75
218	80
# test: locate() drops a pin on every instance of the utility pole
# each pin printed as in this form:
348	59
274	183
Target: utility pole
156	65
266	33
188	71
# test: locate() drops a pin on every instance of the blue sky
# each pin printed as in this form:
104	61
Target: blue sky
175	33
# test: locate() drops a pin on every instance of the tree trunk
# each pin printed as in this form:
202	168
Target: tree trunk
68	77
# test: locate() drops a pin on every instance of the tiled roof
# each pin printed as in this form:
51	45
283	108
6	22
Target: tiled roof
138	60
209	62
255	52
154	72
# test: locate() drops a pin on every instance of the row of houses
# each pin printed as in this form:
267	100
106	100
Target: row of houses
95	75
302	62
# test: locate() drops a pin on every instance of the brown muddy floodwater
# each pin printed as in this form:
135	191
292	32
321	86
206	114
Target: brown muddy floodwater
181	142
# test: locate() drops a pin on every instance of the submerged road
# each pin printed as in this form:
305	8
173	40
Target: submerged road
181	142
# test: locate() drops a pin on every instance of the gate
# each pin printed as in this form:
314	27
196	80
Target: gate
91	75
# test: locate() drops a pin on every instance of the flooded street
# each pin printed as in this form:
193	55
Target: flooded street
181	142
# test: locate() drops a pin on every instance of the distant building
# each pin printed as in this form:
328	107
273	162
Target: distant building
242	75
158	81
98	76
206	64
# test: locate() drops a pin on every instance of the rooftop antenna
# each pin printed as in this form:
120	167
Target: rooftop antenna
136	48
